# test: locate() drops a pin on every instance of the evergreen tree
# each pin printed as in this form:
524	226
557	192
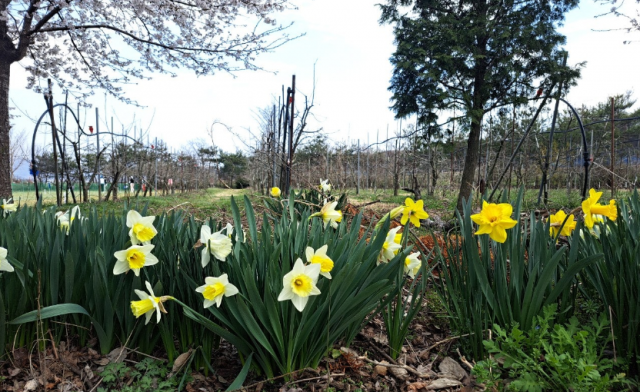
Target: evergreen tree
476	55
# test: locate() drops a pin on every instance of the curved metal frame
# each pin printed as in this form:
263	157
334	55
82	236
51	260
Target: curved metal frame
585	154
34	167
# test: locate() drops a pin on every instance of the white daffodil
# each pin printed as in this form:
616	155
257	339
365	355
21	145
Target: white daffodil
299	284
325	186
228	229
142	230
320	257
134	258
412	264
4	264
216	244
215	288
390	247
7	206
329	214
148	304
66	219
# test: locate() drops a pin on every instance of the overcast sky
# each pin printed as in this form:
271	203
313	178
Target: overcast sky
351	52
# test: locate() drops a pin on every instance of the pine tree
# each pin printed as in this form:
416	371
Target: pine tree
476	55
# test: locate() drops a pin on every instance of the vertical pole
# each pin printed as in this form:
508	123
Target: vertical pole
589	179
274	151
358	171
114	186
513	135
49	100
326	169
155	185
368	183
613	156
125	171
293	95
543	184
453	147
64	142
97	155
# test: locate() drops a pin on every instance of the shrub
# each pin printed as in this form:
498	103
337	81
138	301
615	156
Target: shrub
550	358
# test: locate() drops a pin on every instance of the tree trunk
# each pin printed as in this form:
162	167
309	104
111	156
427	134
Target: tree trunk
113	188
5	169
470	162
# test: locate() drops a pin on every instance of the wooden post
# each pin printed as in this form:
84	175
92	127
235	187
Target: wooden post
49	100
290	160
613	156
98	154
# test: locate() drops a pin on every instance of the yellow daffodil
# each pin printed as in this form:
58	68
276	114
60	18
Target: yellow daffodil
7	206
319	256
324	186
300	284
593	211
390	247
412	264
65	219
134	258
275	191
329	214
215	288
4	263
142	230
413	212
216	244
556	220
494	219
148	303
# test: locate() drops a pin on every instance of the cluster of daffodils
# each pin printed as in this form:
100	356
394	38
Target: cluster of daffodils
138	255
495	219
7	206
412	212
134	258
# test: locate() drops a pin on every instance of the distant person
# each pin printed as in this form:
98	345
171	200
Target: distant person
132	184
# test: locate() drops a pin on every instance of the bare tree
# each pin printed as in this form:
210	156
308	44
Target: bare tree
79	43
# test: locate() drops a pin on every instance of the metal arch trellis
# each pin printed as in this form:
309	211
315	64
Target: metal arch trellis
585	154
49	111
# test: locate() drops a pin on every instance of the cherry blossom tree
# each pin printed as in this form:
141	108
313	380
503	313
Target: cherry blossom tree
106	44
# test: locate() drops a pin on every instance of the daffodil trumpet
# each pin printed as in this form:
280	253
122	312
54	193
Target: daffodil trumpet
148	304
594	211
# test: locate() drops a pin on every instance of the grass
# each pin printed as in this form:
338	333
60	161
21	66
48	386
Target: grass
216	201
